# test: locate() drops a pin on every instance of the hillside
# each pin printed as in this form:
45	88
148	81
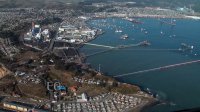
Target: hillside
194	4
35	3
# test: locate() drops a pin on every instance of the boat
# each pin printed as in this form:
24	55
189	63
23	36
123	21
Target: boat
145	43
142	29
161	33
124	36
118	31
133	20
186	47
136	21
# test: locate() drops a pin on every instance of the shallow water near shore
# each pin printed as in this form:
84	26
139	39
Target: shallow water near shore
178	86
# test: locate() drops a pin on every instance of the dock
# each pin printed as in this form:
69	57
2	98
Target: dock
159	68
111	48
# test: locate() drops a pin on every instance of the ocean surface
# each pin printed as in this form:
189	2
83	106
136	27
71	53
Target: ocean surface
179	86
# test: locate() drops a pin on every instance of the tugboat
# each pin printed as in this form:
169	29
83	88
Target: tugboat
124	36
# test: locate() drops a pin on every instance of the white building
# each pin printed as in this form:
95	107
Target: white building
82	98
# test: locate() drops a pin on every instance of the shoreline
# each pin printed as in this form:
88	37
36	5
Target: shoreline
193	17
148	105
152	100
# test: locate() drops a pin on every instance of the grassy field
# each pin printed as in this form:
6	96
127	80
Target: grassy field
92	90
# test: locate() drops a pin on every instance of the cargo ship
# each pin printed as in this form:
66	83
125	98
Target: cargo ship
133	20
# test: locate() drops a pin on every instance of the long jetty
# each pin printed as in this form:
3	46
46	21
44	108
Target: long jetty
111	48
158	68
144	43
104	51
98	45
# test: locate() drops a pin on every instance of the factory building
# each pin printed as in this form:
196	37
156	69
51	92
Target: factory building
21	107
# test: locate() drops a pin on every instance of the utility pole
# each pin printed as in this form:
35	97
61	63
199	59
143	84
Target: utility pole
99	68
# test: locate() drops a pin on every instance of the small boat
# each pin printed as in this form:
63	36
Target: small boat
118	31
142	29
186	47
124	36
161	33
145	43
136	21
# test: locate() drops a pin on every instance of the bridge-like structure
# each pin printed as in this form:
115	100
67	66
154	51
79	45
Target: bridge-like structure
119	47
158	68
144	43
98	45
111	48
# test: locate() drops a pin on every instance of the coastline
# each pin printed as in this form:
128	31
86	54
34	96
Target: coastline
152	100
148	105
193	17
151	103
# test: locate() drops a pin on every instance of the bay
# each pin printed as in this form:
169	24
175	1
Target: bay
178	86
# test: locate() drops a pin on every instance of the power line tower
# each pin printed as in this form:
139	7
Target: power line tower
99	70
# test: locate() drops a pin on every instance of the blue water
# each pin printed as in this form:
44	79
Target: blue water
178	86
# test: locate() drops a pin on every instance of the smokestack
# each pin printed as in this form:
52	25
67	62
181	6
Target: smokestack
33	25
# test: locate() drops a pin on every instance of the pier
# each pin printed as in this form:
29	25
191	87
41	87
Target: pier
98	45
159	68
143	43
104	51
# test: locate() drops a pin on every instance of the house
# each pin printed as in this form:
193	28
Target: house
73	88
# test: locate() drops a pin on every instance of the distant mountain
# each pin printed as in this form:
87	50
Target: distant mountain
35	3
194	4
